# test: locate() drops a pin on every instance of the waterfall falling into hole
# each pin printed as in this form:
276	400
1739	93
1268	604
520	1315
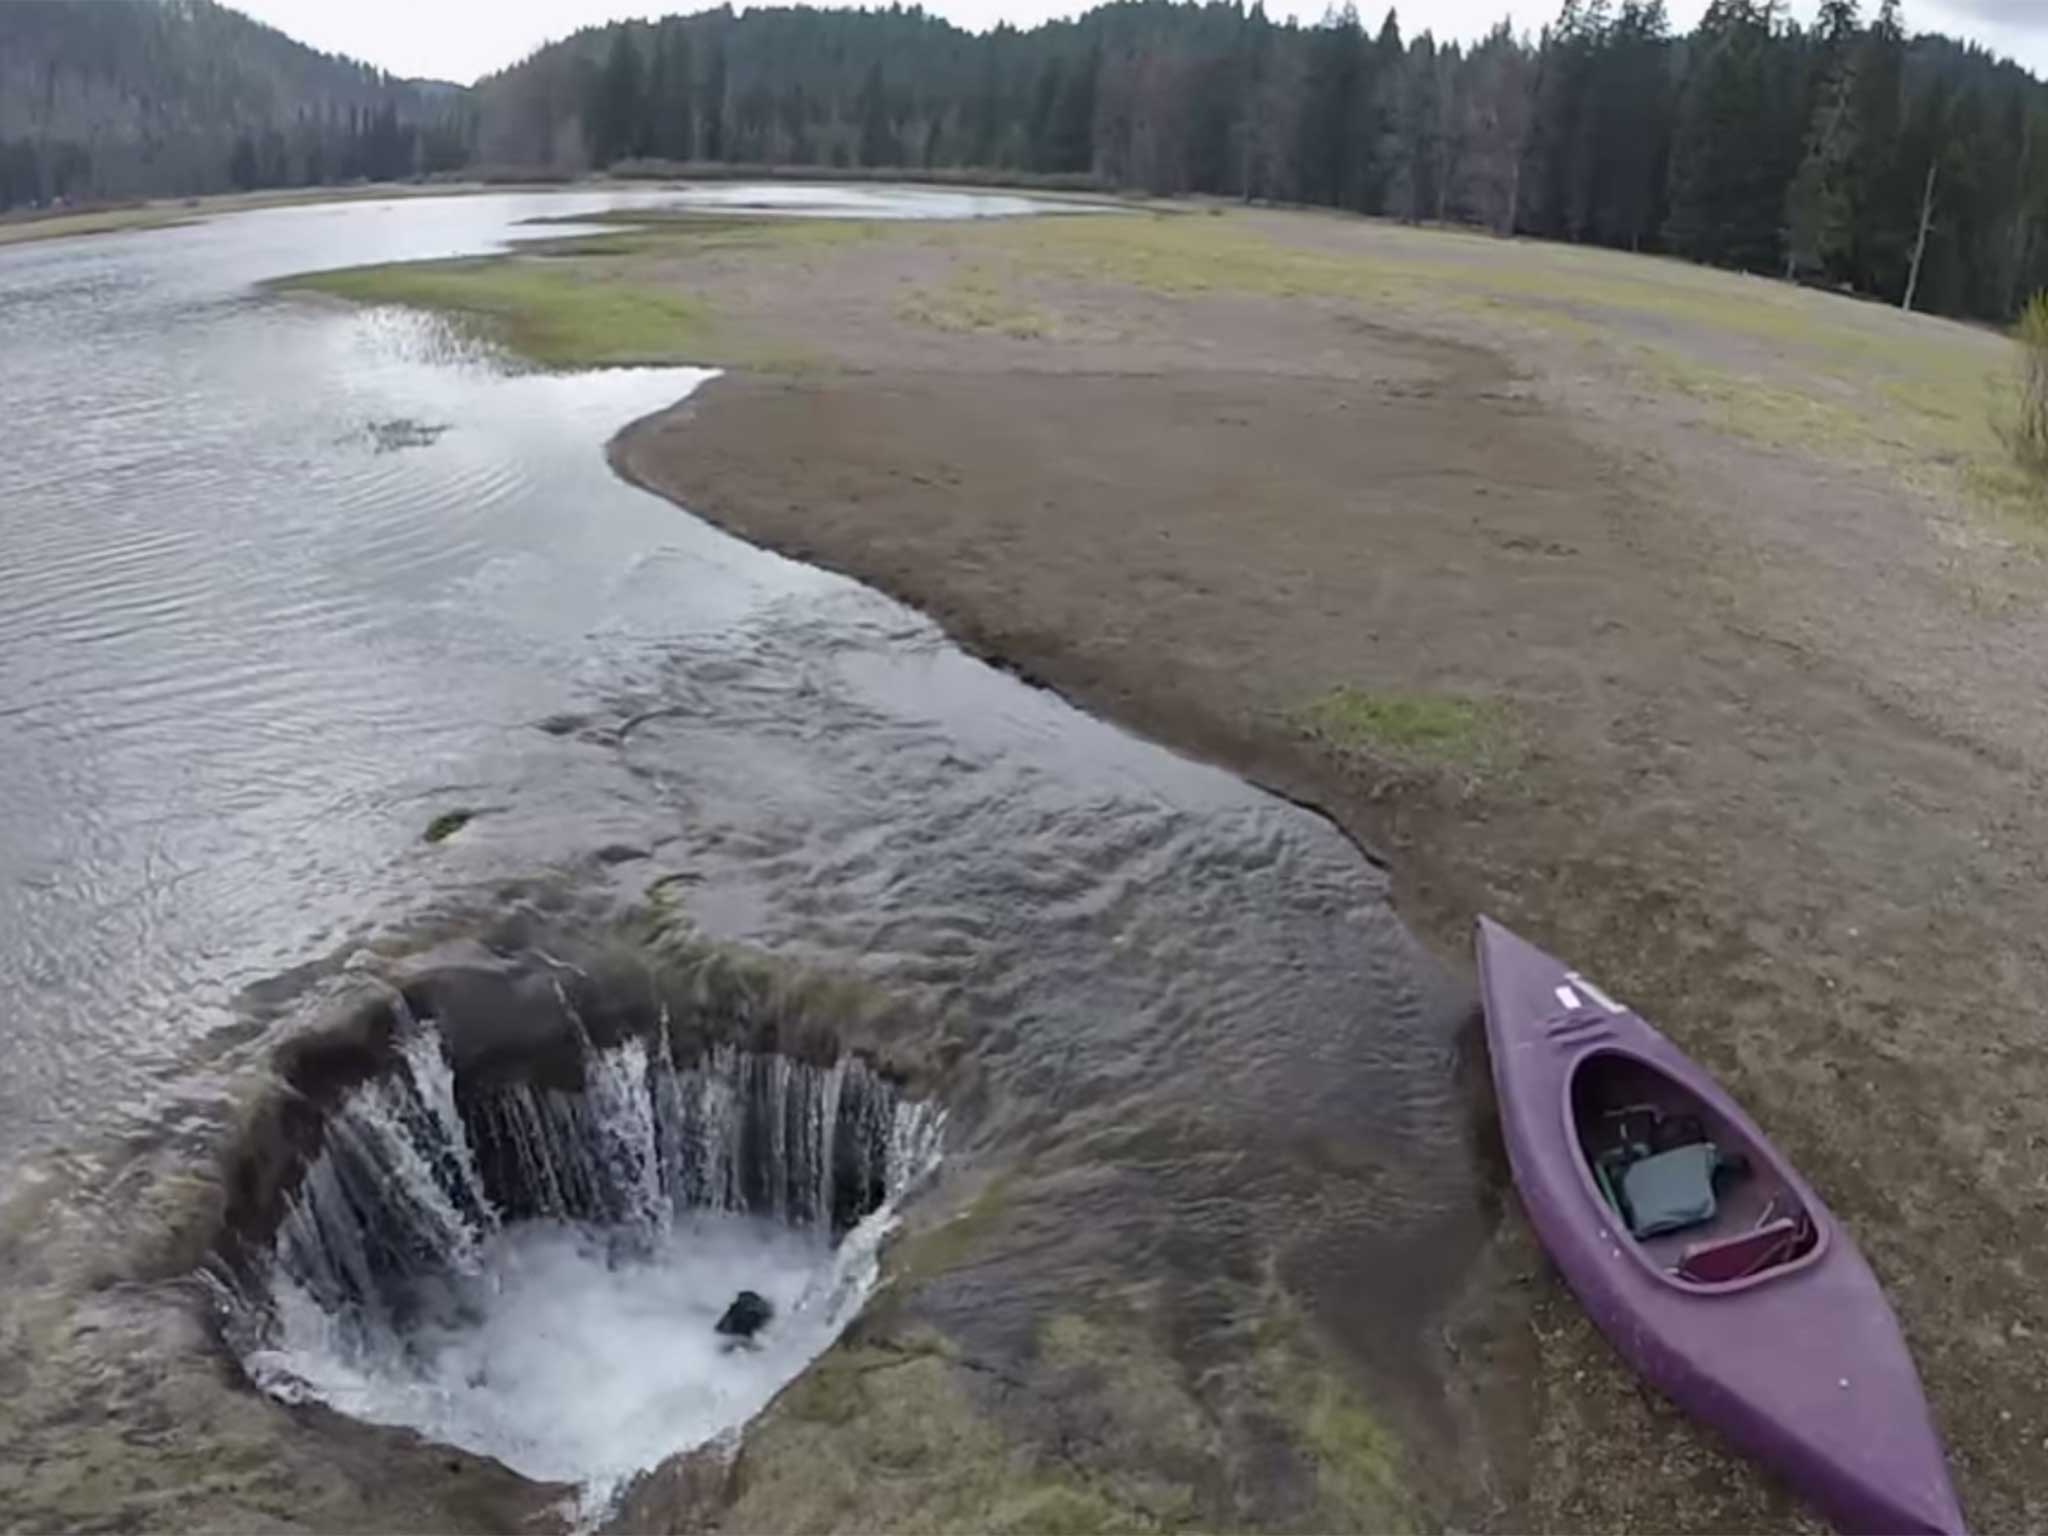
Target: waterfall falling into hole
537	1273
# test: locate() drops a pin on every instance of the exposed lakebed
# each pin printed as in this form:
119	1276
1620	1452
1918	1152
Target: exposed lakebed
335	667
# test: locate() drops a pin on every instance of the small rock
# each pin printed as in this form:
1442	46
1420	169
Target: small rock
447	824
747	1316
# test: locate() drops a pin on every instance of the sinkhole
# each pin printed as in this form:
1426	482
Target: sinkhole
531	1254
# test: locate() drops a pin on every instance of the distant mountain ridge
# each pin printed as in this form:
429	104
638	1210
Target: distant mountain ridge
127	98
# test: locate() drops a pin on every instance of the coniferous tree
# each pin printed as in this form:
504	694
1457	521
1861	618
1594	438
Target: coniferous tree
1422	141
1262	129
1820	206
1632	118
1325	148
672	95
1499	106
1561	192
1883	234
1383	180
986	111
877	133
1726	196
1070	133
1825	150
797	126
617	110
1045	98
242	164
713	135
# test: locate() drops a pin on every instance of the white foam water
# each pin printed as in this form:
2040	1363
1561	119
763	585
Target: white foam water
571	1362
576	1341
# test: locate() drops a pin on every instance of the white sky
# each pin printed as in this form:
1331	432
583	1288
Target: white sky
462	39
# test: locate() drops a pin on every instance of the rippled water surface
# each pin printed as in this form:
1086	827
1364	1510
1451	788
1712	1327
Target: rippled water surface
283	583
276	581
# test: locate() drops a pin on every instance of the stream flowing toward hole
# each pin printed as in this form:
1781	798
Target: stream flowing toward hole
285	588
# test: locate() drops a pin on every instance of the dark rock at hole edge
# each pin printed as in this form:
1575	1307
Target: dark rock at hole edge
747	1316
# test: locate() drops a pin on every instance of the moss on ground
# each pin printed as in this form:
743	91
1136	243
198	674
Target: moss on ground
1355	1455
946	1245
1418	728
1101	1426
1356	1458
1153	1441
875	1438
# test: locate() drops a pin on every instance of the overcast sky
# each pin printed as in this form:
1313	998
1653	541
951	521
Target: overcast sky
462	39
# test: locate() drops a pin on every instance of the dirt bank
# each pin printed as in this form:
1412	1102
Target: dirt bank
1746	727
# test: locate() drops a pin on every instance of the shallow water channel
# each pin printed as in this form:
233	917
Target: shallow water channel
282	585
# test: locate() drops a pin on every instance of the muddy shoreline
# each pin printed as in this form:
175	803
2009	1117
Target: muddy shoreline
1681	796
869	474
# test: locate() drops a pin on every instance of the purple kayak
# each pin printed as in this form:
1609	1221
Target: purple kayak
1703	1257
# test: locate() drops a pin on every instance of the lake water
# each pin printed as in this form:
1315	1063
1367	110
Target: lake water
283	582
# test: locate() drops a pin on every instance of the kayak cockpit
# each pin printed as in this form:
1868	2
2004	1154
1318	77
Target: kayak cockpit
1707	1205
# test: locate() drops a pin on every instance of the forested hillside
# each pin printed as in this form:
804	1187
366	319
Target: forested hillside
1750	142
1837	153
125	98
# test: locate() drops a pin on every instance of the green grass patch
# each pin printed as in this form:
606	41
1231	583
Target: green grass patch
938	1249
1175	255
1357	1457
1434	269
2017	495
608	299
660	233
882	1438
1759	410
554	313
1787	367
977	300
1421	728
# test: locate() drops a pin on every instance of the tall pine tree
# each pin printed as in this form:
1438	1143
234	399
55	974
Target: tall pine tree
617	116
1726	195
672	95
1820	205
